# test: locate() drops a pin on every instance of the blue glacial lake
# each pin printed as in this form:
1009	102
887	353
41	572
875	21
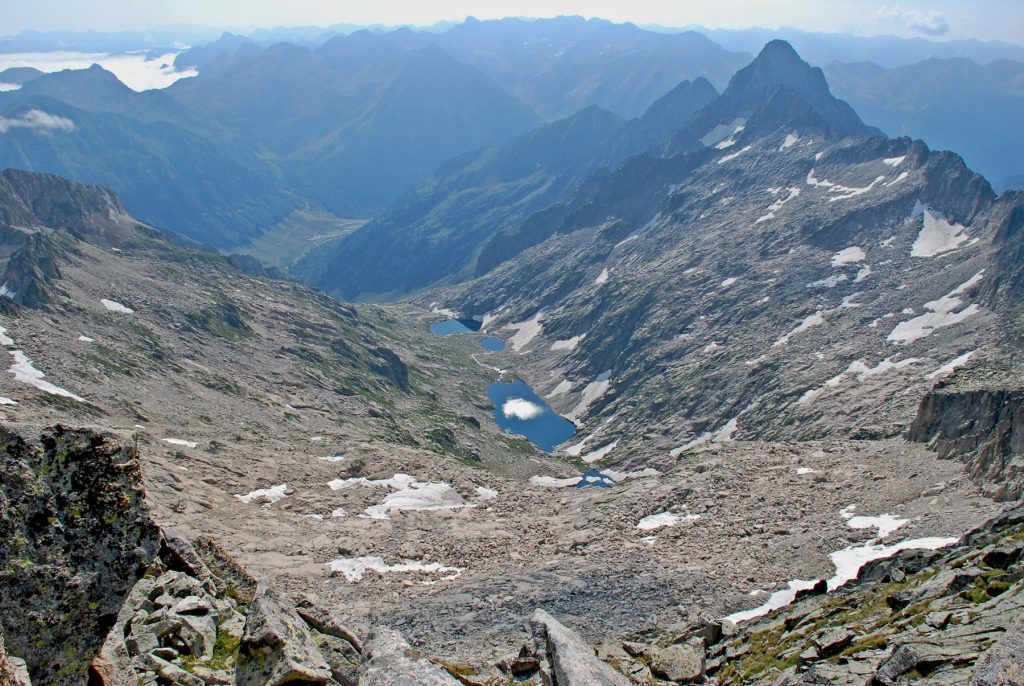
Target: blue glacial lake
450	326
518	410
492	344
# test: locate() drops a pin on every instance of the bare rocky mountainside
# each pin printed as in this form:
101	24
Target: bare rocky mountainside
774	354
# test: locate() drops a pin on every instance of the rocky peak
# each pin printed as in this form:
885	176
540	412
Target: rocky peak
30	199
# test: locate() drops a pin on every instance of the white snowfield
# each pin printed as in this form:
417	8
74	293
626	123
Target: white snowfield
354	568
851	255
848	561
940	313
602	277
115	306
594	390
181	442
600	453
951	366
270	495
662	519
569	343
937	236
859	369
24	372
410	494
794	192
731	156
812	320
563	387
791	140
526	331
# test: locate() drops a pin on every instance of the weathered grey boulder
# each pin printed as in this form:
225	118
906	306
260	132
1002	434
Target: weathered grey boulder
276	646
572	659
682	662
1003	663
389	661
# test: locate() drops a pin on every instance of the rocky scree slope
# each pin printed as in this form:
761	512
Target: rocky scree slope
782	282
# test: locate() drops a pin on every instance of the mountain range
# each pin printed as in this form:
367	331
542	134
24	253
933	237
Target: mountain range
347	126
780	347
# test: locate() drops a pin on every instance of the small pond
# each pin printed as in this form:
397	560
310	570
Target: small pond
450	326
492	344
518	410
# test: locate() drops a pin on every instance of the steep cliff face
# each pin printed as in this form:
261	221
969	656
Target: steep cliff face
980	423
77	534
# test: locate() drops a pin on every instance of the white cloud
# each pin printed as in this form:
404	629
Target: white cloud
37	120
932	23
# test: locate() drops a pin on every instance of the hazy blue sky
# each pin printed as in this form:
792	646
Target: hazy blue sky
986	19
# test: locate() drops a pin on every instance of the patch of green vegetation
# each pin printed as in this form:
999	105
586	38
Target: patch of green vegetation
872	642
223	320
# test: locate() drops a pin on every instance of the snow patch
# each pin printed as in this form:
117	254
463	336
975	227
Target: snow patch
828	282
526	331
25	372
902	177
85	339
115	306
662	519
805	470
332	458
732	156
270	495
937	235
777	205
894	161
602	277
851	255
728	282
181	442
951	366
553	482
4	338
722	132
594	390
569	343
600	453
791	140
562	388
354	568
859	369
941	313
816	319
847	562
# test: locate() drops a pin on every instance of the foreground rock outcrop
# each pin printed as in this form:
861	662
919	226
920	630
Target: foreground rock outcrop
77	534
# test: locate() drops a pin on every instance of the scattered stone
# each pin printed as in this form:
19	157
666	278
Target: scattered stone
276	646
683	663
572	660
389	661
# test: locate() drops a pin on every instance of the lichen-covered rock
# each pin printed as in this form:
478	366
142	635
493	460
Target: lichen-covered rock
682	663
573	661
276	646
77	534
1003	663
389	661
